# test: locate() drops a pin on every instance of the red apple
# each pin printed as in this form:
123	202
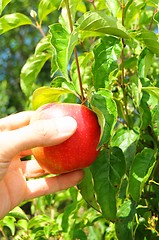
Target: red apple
77	152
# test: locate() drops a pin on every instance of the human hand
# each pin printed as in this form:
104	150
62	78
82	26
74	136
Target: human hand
17	137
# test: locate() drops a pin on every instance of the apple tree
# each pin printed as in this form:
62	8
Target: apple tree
105	55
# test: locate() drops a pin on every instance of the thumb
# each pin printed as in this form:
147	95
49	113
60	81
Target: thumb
39	133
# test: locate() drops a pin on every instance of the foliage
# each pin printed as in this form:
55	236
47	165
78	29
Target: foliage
103	54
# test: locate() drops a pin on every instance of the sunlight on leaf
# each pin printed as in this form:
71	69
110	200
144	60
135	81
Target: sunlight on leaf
64	44
106	54
3	4
150	40
105	108
126	140
101	23
45	95
30	71
154	91
13	20
46	7
140	171
9	221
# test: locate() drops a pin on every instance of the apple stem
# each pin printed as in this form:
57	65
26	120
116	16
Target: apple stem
75	53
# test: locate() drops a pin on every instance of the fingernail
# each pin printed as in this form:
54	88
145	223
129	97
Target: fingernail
67	125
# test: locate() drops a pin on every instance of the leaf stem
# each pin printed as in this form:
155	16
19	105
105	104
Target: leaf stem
75	52
92	1
152	19
38	26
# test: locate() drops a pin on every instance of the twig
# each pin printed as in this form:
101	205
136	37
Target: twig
123	70
152	19
38	26
33	14
92	1
75	53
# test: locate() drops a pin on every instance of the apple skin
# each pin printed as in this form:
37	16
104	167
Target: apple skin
77	152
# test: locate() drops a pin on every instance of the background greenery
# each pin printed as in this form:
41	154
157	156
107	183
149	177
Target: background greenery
16	47
117	51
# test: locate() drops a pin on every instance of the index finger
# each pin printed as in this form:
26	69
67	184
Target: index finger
15	121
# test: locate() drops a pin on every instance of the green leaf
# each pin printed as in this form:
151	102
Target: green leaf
54	64
156	17
46	7
144	63
105	108
131	11
155	120
68	211
3	4
79	6
76	7
124	222
43	45
113	6
13	20
86	188
154	91
106	57
79	234
61	82
22	224
144	110
64	44
30	71
150	40
9	221
140	172
45	95
37	221
99	23
107	171
17	212
136	90
126	140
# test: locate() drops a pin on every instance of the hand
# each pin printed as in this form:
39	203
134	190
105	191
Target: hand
16	138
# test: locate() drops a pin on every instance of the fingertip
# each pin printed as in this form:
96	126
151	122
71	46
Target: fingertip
67	125
80	175
76	175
